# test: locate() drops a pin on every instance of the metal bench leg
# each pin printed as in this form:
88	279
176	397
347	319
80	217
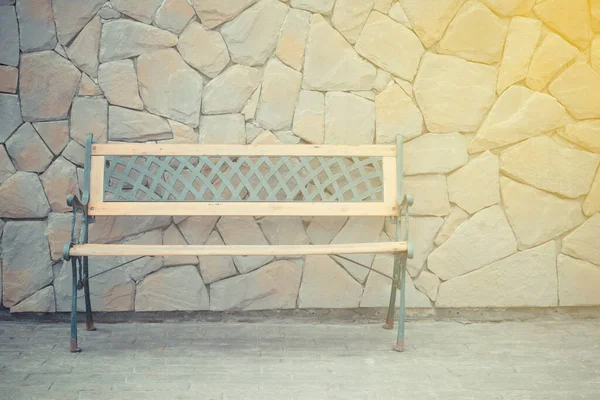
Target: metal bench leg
89	320
389	320
74	348
400	340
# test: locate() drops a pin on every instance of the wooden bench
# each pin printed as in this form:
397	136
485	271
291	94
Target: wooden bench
237	180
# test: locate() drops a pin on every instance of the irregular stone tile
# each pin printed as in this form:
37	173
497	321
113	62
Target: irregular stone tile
228	92
274	286
142	10
476	34
47	85
172	236
430	18
591	205
585	134
124	38
509	8
454	94
182	134
570	18
213	13
398	14
89	116
174	15
456	217
60	180
383	6
9	36
435	153
287	138
118	81
10	115
309	117
8	79
41	301
87	87
382	80
390	46
358	230
317	6
249	109
326	285
349	17
428	284
321	230
22	196
521	41
24	272
108	13
543	164
277	102
28	150
578	89
595	53
349	119
137	269
6	166
55	134
58	232
577	282
284	230
177	98
172	289
252	36
75	153
331	63
109	292
136	126
252	131
112	229
486	237
550	57
204	50
83	52
36	25
71	16
581	243
223	129
519	113
396	113
595	11
525	279
196	230
243	230
292	40
215	268
431	194
528	210
476	185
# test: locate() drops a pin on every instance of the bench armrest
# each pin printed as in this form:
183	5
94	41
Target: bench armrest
407	201
73	201
77	205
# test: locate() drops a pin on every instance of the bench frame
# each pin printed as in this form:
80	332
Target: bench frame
394	203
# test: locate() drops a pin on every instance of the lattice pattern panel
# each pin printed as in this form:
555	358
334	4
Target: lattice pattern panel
221	179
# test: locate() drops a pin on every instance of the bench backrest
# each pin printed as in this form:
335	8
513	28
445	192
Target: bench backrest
197	179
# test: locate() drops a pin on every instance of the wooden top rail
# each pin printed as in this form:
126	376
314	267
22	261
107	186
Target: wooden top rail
297	150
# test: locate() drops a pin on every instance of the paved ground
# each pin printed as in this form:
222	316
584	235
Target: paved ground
443	360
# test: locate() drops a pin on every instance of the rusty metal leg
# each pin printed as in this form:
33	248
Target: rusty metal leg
389	320
89	320
74	348
400	340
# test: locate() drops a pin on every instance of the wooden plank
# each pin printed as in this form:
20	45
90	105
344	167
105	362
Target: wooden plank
96	181
238	250
125	149
389	182
244	208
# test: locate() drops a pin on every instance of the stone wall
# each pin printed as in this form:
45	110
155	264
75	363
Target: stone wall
499	101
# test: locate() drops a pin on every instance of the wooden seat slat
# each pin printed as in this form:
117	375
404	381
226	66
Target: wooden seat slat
235	250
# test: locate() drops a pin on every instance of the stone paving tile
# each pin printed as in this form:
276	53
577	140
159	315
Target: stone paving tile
536	360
